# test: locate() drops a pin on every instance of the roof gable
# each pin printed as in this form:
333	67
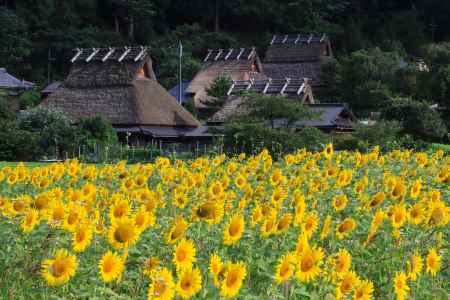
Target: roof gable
230	54
112	54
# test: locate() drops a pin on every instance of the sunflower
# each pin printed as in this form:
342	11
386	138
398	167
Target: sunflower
416	188
59	270
123	233
177	230
326	227
162	286
276	177
184	254
301	245
30	220
216	189
150	266
438	213
399	215
180	200
364	290
215	264
285	268
210	211
345	228
256	215
189	282
349	281
283	224
142	219
342	262
74	216
377	199
414	266
308	264
268	226
340	202
328	151
398	191
119	210
111	267
433	262
233	278
400	285
310	223
416	214
82	237
234	229
240	181
56	214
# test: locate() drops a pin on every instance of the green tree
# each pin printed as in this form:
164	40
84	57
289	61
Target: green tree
417	118
218	93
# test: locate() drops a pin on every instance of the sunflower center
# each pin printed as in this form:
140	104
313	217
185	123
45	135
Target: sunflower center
81	236
231	279
284	269
398	218
108	265
73	218
58	268
181	255
19	205
233	229
58	213
160	287
119	212
307	264
122	234
186	284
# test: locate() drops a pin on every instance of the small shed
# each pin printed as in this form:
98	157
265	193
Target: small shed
119	84
238	64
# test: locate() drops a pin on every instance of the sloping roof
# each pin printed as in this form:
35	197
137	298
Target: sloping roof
297	48
51	88
286	86
124	91
237	105
238	66
175	91
331	115
7	81
310	70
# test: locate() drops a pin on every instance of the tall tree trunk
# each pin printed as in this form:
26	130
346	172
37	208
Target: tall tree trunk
216	16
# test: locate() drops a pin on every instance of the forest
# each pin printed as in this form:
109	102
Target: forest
37	36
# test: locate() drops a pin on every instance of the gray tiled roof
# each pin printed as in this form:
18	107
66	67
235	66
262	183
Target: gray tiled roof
8	81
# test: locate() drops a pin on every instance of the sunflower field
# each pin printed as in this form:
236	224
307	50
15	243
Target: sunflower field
324	225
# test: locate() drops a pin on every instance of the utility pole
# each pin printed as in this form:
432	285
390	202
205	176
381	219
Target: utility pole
49	65
180	55
433	27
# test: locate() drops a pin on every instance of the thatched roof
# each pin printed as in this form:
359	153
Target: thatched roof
297	48
237	104
119	84
297	56
8	81
238	64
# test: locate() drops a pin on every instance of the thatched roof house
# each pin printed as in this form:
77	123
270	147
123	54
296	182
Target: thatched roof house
331	116
238	64
297	56
119	84
236	104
